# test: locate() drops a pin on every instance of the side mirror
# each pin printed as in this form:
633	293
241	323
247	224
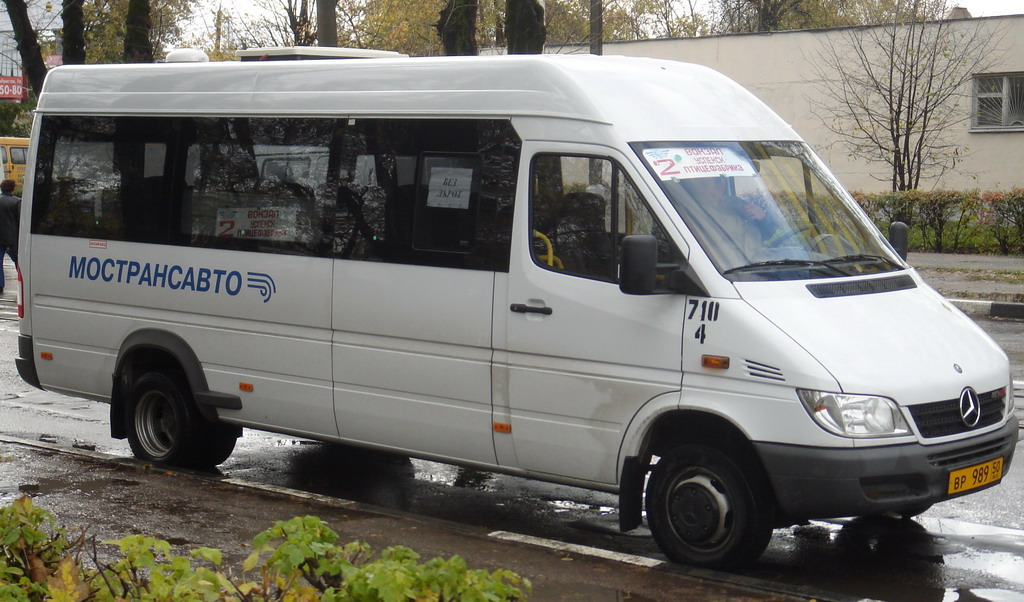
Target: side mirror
638	266
898	238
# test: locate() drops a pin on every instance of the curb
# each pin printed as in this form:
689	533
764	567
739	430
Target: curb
990	309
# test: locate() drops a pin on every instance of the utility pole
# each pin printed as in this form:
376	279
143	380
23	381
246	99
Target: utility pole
596	26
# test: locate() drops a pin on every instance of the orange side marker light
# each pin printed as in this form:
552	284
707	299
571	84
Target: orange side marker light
717	362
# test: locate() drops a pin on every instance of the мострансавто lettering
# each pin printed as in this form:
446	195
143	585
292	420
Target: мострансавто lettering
159	275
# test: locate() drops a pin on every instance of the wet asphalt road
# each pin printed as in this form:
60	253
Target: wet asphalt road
970	548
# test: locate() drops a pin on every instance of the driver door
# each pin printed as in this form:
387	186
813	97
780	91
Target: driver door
580	357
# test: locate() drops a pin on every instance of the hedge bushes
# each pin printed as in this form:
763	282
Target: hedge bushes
944	221
296	560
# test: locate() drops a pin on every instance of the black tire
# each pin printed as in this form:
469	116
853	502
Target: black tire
165	427
704	509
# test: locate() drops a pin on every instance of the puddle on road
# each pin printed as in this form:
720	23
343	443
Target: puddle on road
292	442
950	544
982	595
453	476
1004	565
948	526
567	505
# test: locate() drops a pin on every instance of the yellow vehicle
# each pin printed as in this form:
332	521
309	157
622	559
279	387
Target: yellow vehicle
13	155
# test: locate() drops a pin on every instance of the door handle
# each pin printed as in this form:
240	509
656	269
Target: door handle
522	308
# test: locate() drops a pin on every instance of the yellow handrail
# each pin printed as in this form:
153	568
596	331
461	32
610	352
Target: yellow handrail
550	258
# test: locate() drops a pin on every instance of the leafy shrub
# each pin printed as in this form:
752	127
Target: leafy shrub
1002	214
945	217
945	221
299	559
32	548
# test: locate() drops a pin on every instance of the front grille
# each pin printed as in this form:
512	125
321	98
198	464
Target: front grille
970	454
942	418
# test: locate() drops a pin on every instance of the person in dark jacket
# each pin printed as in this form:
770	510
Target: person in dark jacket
10	211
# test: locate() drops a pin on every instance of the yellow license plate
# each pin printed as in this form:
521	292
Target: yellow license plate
975	476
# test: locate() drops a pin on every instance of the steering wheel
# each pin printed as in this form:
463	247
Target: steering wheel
785	238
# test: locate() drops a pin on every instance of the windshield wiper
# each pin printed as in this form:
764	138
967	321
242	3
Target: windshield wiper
798	263
864	258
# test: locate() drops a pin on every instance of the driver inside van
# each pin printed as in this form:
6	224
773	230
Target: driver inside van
745	223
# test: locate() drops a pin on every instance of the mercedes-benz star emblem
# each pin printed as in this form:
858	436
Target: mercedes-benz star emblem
970	408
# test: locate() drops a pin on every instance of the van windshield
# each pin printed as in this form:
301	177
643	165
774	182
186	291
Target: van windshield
767	210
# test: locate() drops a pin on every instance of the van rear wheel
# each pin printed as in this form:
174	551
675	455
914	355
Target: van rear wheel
164	425
705	509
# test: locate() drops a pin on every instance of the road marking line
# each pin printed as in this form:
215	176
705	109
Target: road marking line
576	549
288	491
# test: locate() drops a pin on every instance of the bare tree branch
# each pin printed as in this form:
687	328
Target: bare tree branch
894	93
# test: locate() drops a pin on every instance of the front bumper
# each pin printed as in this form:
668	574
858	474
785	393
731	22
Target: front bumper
814	482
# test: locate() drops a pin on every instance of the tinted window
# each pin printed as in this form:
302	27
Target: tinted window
104	178
431	192
253	184
436	192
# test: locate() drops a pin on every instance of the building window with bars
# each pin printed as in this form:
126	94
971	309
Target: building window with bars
999	101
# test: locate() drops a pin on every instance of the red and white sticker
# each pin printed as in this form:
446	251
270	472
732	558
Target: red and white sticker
697	162
265	223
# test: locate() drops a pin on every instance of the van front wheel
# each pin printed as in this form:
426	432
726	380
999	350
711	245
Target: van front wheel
705	509
164	425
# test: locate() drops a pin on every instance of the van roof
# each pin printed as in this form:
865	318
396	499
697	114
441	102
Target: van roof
646	99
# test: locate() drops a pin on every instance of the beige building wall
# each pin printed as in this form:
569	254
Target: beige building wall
777	67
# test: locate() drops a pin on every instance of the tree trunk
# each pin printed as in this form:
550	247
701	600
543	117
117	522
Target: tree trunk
327	22
596	27
28	45
524	26
300	21
457	28
138	48
74	33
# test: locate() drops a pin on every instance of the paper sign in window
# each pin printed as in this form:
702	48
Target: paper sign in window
449	187
697	162
264	223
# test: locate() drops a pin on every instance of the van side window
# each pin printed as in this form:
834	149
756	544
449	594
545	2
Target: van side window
256	184
103	178
426	192
581	208
434	192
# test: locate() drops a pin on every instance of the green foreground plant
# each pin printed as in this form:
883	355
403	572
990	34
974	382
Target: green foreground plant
295	560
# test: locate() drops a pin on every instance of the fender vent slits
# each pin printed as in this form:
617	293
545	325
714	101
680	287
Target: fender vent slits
759	370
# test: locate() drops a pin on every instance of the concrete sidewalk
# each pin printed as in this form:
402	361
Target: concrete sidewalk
979	285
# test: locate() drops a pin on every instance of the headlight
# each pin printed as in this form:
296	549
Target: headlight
854	415
1011	405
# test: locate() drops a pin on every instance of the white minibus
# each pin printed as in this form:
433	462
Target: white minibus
622	274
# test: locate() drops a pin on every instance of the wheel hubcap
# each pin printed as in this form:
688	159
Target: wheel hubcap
699	511
155	424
